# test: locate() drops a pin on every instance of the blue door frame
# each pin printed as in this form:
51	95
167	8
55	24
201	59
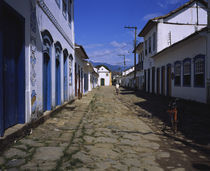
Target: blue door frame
65	79
58	82
46	82
12	68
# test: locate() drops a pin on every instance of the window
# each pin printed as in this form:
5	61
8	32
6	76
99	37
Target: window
107	75
145	47
58	3
177	73
64	8
69	10
139	58
154	41
150	45
187	72
199	70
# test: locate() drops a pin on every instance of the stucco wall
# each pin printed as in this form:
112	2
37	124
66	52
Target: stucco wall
36	17
188	49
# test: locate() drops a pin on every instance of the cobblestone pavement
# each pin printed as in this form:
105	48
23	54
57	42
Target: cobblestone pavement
98	132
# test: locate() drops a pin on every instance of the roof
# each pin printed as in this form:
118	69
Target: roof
153	21
99	66
79	49
181	41
138	46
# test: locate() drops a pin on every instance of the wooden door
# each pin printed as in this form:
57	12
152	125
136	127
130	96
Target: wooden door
168	80
145	79
163	81
46	83
158	81
58	82
102	81
65	82
153	79
148	84
12	70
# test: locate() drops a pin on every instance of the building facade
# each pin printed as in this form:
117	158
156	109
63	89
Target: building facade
105	75
178	72
37	64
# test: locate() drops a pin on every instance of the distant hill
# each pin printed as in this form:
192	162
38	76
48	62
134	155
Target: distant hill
113	68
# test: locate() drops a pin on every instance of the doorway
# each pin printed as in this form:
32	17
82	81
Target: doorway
12	68
153	79
148	85
65	81
102	81
58	82
163	81
158	81
168	80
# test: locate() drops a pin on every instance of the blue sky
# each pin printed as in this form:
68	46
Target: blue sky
99	25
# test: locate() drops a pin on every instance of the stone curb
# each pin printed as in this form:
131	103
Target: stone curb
26	128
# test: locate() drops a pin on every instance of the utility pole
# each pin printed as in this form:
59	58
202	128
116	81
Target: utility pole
124	60
135	28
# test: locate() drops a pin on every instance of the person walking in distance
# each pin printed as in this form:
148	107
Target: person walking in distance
117	88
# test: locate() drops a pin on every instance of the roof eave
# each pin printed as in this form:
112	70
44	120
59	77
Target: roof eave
147	28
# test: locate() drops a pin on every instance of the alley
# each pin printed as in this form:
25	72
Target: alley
102	131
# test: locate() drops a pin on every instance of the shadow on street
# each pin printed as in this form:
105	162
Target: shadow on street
193	117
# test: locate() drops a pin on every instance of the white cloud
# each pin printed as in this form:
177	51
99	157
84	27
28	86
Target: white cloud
91	46
173	1
151	15
101	53
118	45
165	3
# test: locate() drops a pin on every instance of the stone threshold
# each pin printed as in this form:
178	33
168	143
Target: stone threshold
19	131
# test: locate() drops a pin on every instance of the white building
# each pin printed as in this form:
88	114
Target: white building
175	52
80	64
128	77
139	67
38	58
105	75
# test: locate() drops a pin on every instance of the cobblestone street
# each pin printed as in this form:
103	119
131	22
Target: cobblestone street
100	132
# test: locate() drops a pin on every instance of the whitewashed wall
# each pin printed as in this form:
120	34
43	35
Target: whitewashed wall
42	22
104	73
188	49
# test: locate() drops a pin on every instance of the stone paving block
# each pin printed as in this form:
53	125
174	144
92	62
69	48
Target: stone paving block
12	152
48	153
15	162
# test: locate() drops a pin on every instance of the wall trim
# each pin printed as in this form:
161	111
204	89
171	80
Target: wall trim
49	14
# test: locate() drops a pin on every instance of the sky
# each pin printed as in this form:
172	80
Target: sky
99	26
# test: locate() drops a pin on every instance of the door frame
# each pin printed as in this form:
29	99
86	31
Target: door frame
20	69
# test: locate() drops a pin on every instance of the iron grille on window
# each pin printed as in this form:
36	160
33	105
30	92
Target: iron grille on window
64	8
187	73
150	45
199	72
146	48
69	10
154	41
177	73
